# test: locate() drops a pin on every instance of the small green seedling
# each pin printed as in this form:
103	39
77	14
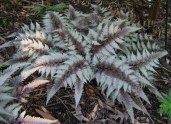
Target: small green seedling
5	23
3	66
165	105
41	10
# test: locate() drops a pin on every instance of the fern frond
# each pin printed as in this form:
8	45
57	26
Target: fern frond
75	72
7	44
2	108
5	93
13	109
26	73
5	88
112	38
142	41
34	31
18	58
33	47
76	40
50	63
71	39
53	21
39	36
16	80
99	11
5	99
6	96
138	104
8	72
46	65
32	26
3	120
29	87
128	103
115	77
78	90
60	45
72	13
145	61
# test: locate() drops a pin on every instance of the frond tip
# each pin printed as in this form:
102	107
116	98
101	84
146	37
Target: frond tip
29	87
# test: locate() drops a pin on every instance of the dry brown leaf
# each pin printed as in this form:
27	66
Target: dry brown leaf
2	40
89	90
93	113
47	115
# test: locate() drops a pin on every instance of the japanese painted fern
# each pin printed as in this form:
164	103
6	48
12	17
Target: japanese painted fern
73	48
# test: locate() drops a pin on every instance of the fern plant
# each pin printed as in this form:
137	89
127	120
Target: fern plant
9	107
165	105
73	48
6	97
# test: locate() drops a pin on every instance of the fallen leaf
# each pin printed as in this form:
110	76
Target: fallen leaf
47	115
89	90
2	40
93	113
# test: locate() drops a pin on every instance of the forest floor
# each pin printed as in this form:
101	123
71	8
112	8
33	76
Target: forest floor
93	106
